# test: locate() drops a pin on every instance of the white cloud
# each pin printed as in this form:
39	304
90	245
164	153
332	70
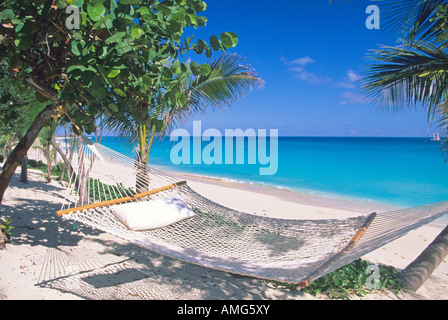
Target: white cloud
298	67
352	76
345	84
350	80
350	97
302	61
312	78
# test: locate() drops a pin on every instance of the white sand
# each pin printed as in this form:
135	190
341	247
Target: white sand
39	234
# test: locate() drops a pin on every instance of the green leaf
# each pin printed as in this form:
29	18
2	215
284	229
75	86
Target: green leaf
199	7
229	39
181	99
192	20
61	4
77	47
195	69
187	41
166	11
166	73
183	67
147	80
83	18
92	110
113	73
81	68
86	50
137	33
202	21
208	52
104	22
96	11
205	69
23	43
77	36
144	11
76	3
177	36
176	67
25	28
123	47
131	2
115	37
7	14
201	45
113	107
157	125
99	92
214	42
55	86
119	92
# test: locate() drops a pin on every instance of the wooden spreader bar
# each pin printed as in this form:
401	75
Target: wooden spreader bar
358	235
60	213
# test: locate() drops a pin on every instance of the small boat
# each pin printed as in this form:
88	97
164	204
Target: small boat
436	137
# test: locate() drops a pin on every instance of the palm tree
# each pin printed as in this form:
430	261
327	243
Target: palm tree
410	78
414	75
226	82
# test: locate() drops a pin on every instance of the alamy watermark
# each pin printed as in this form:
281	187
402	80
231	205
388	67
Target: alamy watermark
373	280
232	142
73	20
373	20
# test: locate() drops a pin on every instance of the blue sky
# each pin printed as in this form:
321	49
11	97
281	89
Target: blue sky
309	53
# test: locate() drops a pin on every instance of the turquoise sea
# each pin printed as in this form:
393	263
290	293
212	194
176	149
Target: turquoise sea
395	171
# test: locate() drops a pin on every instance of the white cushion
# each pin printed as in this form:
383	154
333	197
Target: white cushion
154	214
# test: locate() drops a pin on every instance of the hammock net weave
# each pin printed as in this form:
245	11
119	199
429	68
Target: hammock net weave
295	251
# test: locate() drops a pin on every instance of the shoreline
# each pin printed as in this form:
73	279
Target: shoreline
336	202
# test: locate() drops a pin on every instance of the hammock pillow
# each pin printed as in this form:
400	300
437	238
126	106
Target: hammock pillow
148	215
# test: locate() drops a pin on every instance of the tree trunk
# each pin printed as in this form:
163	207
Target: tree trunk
421	268
67	162
83	177
24	170
48	156
142	175
142	178
23	146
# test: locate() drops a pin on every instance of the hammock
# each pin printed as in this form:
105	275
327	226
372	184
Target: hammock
217	237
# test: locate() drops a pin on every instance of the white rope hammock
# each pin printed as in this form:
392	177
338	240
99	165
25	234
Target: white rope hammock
296	251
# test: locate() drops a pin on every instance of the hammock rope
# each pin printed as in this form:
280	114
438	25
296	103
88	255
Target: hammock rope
294	251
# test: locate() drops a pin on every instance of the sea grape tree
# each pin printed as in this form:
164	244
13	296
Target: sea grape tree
110	54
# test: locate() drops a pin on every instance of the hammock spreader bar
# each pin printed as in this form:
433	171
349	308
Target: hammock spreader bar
60	213
358	235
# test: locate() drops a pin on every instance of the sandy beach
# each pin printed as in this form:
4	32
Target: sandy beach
46	251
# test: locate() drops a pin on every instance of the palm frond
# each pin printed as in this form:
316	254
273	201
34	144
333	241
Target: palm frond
227	82
404	78
441	126
411	19
123	124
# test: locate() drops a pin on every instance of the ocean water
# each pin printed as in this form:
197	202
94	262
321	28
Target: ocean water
394	171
